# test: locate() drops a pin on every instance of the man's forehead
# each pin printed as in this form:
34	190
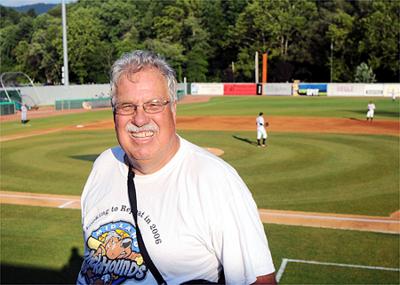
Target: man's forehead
145	85
150	79
135	76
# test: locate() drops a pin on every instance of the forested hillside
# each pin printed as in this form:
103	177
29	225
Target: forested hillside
209	40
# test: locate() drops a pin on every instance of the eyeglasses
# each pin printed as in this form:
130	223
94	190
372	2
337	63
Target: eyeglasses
151	107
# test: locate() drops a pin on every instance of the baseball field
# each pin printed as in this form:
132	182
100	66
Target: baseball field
327	184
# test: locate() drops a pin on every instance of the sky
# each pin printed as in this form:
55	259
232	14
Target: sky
16	3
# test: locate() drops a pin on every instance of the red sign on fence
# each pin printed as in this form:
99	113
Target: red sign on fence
240	89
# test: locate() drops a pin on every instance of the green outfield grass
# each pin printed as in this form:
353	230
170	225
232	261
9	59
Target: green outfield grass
337	107
44	245
342	173
357	174
338	173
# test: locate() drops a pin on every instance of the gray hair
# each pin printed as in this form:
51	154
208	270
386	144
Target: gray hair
135	61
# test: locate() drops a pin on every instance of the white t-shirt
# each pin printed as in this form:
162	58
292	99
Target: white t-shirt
195	214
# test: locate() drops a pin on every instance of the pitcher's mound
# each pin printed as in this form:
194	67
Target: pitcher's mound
215	151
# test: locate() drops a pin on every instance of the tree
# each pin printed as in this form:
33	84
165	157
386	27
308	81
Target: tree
196	51
280	27
218	18
87	53
338	31
201	38
15	27
378	37
364	74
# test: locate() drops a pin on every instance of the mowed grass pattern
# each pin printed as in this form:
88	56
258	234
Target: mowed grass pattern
57	163
342	173
356	174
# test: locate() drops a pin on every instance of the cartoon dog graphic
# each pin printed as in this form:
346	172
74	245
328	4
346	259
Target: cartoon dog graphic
115	246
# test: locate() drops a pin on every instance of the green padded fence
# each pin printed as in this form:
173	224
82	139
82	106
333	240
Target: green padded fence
93	103
180	94
13	94
7	108
78	103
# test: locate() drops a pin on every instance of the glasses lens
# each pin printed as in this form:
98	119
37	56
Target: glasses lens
155	106
125	109
151	107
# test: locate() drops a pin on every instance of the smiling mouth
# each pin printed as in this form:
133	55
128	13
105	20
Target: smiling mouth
140	135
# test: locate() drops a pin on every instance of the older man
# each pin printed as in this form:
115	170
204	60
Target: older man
184	210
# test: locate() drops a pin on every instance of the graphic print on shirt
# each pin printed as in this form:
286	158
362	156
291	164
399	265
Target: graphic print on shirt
114	255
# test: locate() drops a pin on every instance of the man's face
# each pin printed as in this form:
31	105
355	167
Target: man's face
148	139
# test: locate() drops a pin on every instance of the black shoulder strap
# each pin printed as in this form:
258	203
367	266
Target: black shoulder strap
143	251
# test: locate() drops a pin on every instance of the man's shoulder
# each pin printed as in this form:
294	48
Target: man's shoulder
109	156
202	161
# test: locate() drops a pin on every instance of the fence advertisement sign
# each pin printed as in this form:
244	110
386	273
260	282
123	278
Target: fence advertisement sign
240	89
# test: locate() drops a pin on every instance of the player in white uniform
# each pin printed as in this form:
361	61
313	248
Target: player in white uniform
197	218
24	114
371	111
261	132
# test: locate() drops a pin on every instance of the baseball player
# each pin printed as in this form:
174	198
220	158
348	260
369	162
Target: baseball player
24	112
371	111
261	132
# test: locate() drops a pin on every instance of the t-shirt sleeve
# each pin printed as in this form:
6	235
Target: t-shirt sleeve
239	238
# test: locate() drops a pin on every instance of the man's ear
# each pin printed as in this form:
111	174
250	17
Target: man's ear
113	116
173	109
113	108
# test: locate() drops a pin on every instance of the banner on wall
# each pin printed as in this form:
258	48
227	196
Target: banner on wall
282	89
391	90
207	89
313	89
346	89
240	89
373	89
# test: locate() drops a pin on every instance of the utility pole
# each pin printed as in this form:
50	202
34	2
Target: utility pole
65	77
331	60
256	67
265	67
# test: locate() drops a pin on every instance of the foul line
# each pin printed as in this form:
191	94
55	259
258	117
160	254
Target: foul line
285	261
38	197
66	204
316	217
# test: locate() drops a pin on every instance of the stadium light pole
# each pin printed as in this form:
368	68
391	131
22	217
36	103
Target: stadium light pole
256	67
65	45
331	60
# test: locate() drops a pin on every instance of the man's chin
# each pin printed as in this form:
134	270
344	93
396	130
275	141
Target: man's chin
141	155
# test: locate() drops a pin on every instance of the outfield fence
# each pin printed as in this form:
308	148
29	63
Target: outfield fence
48	95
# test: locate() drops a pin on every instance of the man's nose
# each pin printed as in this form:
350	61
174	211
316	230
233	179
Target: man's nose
140	118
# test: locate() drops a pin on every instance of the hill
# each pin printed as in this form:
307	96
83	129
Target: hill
39	8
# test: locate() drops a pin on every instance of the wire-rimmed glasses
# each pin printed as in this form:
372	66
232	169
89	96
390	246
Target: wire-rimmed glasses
153	106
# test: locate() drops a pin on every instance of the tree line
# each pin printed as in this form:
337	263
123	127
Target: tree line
209	40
